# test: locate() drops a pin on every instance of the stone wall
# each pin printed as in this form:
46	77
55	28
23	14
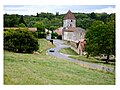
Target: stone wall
68	36
77	47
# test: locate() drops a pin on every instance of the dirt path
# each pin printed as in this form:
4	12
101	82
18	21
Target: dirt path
60	44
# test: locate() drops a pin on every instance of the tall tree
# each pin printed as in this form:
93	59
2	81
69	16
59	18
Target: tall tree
93	15
21	20
101	39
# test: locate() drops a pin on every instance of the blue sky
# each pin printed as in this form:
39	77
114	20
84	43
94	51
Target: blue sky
33	9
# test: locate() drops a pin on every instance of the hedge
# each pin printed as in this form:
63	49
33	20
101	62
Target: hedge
20	41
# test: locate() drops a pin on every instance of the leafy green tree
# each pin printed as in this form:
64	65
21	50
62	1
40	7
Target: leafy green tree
84	23
31	24
40	29
100	39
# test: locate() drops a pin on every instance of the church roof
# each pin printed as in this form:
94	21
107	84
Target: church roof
69	15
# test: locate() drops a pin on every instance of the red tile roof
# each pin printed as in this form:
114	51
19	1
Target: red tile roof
69	15
59	31
70	29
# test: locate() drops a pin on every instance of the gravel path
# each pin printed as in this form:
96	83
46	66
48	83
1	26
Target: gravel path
60	44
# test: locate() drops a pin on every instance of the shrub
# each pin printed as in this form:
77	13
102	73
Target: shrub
21	25
20	41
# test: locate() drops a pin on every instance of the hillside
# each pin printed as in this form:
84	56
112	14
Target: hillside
42	69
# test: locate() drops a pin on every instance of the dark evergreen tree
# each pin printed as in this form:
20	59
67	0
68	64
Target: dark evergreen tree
93	15
37	15
21	20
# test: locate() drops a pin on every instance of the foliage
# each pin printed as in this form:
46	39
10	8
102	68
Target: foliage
93	15
11	20
21	20
101	39
54	35
21	25
40	29
83	20
20	41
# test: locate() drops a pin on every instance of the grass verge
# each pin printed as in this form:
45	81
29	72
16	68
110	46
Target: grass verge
68	51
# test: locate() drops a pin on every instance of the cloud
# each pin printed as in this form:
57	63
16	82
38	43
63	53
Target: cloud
33	9
108	10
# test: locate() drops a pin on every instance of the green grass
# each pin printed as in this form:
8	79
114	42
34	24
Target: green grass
74	55
42	69
44	45
93	60
68	51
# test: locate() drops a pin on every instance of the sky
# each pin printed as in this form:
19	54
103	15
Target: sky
62	9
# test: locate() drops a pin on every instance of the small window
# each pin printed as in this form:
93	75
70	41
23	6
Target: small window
71	20
80	34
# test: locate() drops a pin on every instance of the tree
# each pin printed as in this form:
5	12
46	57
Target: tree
21	20
37	15
40	29
57	13
84	23
52	28
103	17
101	39
93	15
31	23
10	20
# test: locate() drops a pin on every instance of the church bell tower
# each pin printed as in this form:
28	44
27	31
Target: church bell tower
69	20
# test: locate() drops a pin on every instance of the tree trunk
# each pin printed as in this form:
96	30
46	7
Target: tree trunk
87	55
107	60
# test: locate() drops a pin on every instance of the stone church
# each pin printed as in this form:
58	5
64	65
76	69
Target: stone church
75	35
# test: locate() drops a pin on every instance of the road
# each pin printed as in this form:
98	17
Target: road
60	44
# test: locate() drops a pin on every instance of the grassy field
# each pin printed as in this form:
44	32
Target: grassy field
42	69
74	55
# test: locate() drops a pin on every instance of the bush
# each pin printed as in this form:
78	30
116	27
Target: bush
41	35
20	41
21	25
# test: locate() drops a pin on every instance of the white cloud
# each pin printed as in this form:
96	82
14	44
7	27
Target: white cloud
108	10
